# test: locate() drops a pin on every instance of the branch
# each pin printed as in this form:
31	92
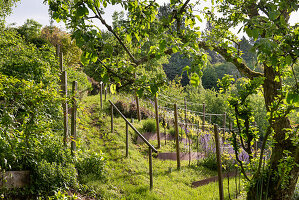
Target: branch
242	68
183	7
99	16
237	156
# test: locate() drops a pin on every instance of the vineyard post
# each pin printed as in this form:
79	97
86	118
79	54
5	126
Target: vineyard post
186	119
61	61
101	94
64	95
197	144
203	116
137	104
111	119
177	137
157	121
255	143
105	91
127	139
73	118
57	50
236	172
150	167
219	165
224	126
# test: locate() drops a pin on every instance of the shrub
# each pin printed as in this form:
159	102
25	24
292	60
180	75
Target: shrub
91	164
48	177
149	126
210	162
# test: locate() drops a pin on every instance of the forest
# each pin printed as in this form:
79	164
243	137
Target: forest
153	105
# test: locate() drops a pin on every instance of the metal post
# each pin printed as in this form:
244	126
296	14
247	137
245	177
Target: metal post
219	165
157	121
127	140
150	167
177	137
73	118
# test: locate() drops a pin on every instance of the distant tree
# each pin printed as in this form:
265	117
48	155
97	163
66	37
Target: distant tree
31	30
6	8
175	67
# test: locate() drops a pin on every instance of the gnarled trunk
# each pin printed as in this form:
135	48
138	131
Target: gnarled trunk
279	180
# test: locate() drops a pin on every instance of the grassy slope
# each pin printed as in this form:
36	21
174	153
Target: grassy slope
127	178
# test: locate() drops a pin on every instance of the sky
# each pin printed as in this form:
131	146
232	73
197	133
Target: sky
35	9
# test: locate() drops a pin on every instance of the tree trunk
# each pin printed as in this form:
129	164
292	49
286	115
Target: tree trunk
276	182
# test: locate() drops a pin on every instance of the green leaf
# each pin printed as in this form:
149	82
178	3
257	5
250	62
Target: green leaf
198	18
129	38
194	80
137	36
93	57
292	98
85	58
140	92
82	11
154	88
162	45
289	60
113	88
105	4
255	33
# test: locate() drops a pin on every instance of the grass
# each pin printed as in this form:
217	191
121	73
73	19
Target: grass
128	178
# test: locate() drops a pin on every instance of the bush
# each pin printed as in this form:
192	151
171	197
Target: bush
92	164
149	126
210	162
48	177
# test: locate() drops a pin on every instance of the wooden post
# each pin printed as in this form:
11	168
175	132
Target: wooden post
138	109
150	167
57	50
219	165
157	121
203	117
101	94
236	182
255	143
127	140
186	126
111	119
64	105
61	61
73	118
177	137
224	126
137	105
228	186
105	91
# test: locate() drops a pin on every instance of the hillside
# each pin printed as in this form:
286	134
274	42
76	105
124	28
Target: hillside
128	177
